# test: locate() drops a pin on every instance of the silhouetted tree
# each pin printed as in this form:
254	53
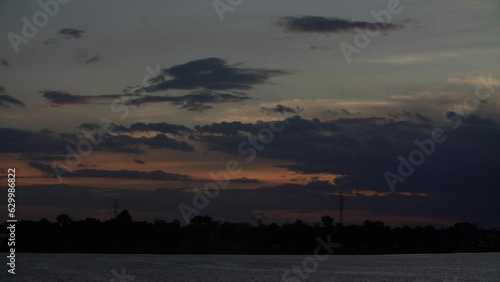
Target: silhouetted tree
44	221
124	217
206	235
63	219
327	221
200	221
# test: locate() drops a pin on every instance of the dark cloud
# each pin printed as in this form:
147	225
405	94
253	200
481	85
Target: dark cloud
63	98
137	161
403	114
162	127
210	74
201	76
93	126
193	102
23	141
92	59
281	109
28	142
130	145
60	98
226	128
316	24
410	116
64	34
480	122
341	112
116	144
421	117
160	141
363	149
71	32
6	100
4	62
120	174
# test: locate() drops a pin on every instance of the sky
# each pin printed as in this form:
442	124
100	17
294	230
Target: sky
392	103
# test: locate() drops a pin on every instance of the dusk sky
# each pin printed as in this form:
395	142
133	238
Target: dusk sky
183	86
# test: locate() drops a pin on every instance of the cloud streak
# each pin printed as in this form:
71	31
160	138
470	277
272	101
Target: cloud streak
281	109
332	25
197	102
61	98
118	174
161	127
6	100
4	62
71	32
210	74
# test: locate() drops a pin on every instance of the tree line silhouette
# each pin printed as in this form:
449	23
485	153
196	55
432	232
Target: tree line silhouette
204	235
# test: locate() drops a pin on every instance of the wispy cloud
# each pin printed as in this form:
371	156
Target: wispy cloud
6	100
65	33
120	174
281	109
71	32
474	81
198	102
60	98
413	58
92	59
4	62
316	24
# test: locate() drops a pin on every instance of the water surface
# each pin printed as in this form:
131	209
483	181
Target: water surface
190	268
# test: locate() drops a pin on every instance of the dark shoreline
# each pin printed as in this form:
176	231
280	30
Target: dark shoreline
205	235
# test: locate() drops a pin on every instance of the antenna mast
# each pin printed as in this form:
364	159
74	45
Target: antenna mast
341	217
115	205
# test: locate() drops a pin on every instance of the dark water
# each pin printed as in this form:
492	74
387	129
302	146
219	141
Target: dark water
188	268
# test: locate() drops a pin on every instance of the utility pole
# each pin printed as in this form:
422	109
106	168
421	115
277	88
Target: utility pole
341	216
115	205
